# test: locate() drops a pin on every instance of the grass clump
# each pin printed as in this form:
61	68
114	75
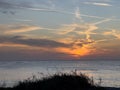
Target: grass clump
59	82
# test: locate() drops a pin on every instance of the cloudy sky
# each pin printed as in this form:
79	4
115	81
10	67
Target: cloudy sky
59	29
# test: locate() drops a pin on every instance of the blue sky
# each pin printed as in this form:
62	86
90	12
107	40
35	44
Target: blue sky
59	29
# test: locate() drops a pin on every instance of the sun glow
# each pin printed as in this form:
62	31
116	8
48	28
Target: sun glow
77	52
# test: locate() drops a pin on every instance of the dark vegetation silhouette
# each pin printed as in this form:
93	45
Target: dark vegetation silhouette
57	82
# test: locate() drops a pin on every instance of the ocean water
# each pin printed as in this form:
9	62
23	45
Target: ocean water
13	71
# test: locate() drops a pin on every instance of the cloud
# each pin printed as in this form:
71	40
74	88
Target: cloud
78	51
22	40
80	29
113	33
5	7
32	42
23	20
30	53
98	4
13	29
78	14
74	49
82	42
103	21
80	47
6	4
65	29
87	29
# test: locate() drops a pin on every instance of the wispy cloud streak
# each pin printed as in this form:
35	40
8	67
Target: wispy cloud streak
78	14
98	4
14	29
103	21
113	33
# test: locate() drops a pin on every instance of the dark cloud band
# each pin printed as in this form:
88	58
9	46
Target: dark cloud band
33	42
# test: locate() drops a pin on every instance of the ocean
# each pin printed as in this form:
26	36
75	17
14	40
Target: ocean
13	71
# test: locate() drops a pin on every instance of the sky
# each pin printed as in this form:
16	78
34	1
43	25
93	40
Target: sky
59	30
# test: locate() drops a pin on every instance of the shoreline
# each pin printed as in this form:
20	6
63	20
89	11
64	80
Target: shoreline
112	88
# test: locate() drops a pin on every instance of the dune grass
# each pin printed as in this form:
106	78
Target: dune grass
58	82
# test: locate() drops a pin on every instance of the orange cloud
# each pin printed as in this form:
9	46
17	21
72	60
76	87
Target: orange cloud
113	33
13	29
